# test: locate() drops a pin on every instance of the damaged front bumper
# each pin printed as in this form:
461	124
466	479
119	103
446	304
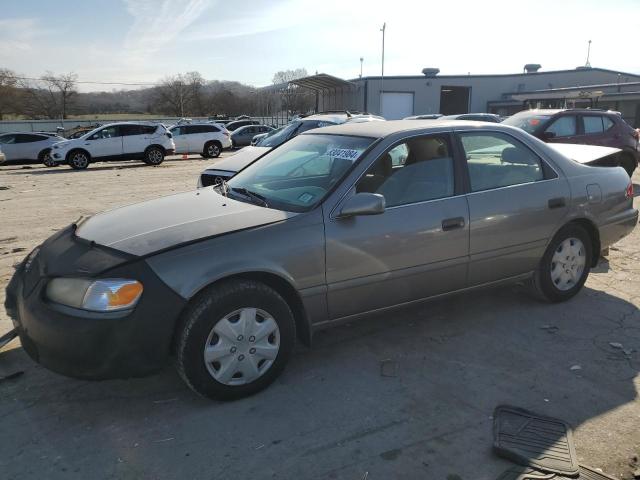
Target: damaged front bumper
85	344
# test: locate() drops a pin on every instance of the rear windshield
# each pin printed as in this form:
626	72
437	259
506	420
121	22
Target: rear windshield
527	121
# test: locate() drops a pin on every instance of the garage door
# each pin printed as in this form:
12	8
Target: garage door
396	105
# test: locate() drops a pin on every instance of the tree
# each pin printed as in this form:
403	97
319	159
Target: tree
62	89
294	99
8	92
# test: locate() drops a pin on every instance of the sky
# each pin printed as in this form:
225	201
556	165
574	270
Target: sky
143	41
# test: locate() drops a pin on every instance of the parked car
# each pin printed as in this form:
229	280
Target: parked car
207	139
230	166
116	141
581	125
242	136
257	138
28	146
477	117
232	126
2	157
325	228
425	116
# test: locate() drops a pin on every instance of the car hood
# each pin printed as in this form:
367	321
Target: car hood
237	162
583	153
147	227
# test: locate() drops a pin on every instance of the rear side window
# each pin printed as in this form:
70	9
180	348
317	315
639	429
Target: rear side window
563	127
29	138
128	130
607	123
148	129
496	160
593	124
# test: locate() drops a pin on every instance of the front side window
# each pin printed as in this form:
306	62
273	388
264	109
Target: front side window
29	138
496	160
297	176
106	132
7	139
417	170
563	126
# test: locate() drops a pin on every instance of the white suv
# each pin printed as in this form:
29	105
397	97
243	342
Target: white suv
207	139
116	141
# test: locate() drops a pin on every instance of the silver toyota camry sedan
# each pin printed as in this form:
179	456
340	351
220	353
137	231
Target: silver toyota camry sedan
335	224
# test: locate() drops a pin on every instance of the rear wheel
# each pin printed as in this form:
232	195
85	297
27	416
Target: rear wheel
235	340
78	159
565	265
212	150
153	156
46	158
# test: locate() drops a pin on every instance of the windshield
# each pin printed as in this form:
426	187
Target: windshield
296	176
527	121
280	137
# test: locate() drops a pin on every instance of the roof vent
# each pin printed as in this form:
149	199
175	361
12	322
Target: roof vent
532	67
430	72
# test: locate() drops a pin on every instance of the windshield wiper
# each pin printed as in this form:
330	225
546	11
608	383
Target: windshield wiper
256	197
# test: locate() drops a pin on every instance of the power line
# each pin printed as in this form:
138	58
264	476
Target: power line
89	82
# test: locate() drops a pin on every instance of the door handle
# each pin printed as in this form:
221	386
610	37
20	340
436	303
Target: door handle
557	202
452	224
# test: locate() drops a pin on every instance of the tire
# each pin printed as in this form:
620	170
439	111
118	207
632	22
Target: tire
555	281
212	150
78	159
628	162
45	157
235	368
153	156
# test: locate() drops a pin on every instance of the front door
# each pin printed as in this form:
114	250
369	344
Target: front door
417	248
516	204
106	142
181	139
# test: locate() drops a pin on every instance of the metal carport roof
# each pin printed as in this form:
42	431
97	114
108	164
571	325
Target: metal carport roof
322	81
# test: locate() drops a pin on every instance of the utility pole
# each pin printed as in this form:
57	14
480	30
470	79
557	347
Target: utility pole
384	27
361	60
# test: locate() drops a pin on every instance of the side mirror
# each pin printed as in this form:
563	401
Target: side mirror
548	135
363	204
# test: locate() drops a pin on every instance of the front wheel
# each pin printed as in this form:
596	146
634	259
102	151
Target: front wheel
78	160
154	156
565	265
235	340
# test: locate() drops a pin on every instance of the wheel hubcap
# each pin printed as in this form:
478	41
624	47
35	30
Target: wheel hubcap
567	264
213	150
242	346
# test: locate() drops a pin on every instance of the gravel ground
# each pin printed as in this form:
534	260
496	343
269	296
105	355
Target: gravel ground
334	413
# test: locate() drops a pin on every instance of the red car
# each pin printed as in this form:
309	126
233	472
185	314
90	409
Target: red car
582	126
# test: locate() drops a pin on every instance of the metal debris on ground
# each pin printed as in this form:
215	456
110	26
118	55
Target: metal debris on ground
549	328
7	337
616	345
576	367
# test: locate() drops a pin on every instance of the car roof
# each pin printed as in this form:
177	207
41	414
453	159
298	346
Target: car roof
384	129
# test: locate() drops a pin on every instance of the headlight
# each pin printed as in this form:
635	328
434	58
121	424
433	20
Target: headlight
95	295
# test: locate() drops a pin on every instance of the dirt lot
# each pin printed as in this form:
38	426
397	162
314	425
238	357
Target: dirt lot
332	414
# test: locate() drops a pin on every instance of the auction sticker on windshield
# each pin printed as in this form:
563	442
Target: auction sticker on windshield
344	153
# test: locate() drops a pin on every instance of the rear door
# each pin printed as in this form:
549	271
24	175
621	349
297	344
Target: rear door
516	203
29	145
417	248
106	142
9	147
598	130
197	137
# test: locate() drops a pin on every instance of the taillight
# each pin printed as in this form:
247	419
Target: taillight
226	134
169	135
628	193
